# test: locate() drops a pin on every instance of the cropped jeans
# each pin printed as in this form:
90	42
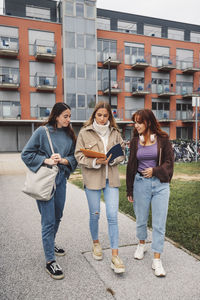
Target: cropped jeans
51	213
111	197
150	191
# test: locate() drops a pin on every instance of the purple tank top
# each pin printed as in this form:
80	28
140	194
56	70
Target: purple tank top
147	156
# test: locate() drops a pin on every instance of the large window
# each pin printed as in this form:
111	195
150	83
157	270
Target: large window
38	12
133	52
184	58
152	30
71	100
69	8
79	9
70	39
184	133
103	23
159	56
71	70
81	71
127	27
91	72
175	34
160	108
81	101
195	37
106	48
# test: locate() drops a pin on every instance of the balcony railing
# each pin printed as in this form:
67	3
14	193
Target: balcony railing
44	49
141	89
165	63
40	112
114	58
9	78
188	66
187	116
44	82
10	110
165	90
188	91
9	46
118	113
116	87
165	115
140	62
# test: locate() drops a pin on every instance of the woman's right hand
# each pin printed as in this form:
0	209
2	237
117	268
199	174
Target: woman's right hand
130	199
50	162
102	161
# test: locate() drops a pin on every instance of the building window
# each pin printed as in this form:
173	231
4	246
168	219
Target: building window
91	72
81	101
70	40
195	37
69	5
38	12
80	41
81	71
91	101
90	9
71	100
103	23
184	133
70	70
106	48
79	10
127	27
133	52
90	41
152	30
175	34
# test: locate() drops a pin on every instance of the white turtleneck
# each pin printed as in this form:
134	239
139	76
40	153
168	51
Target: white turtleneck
103	131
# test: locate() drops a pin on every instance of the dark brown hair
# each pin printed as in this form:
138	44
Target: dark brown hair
56	111
147	117
97	107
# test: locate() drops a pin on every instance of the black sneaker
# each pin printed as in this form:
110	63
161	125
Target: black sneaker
59	251
54	270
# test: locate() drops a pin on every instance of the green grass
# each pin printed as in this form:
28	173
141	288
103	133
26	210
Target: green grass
183	222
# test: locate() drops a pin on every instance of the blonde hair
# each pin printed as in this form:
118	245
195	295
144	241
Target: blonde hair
97	107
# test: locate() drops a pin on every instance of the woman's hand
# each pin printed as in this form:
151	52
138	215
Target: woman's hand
147	173
56	157
50	162
103	161
130	199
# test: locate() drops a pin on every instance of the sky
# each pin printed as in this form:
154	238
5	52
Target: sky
175	10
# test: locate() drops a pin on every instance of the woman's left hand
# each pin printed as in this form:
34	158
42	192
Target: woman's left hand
56	157
147	173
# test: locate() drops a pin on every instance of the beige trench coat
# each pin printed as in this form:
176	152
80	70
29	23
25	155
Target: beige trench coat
95	179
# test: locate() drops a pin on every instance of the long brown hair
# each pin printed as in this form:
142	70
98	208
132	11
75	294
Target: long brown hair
57	109
147	117
97	107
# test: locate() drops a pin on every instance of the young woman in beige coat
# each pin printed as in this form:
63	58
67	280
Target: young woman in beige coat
100	133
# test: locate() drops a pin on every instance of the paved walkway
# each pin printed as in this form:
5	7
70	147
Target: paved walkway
22	274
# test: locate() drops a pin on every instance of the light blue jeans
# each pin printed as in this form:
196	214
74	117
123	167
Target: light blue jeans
150	191
111	197
51	213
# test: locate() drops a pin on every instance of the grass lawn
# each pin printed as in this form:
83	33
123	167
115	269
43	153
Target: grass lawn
183	222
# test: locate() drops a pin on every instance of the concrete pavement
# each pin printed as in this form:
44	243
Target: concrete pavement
22	274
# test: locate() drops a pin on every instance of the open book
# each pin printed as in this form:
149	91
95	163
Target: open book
115	151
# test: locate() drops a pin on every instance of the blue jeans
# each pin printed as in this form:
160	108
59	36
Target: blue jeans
111	197
151	191
51	213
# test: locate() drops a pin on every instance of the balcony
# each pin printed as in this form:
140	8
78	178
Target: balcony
115	86
39	112
189	67
187	116
188	92
141	89
165	115
10	110
165	64
9	46
140	62
9	78
44	82
118	113
164	90
44	50
114	59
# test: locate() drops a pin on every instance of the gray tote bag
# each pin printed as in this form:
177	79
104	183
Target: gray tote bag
41	185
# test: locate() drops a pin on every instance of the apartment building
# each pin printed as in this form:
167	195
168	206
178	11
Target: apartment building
71	51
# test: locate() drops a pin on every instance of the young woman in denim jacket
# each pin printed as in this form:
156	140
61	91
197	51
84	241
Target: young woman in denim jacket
100	134
149	171
37	152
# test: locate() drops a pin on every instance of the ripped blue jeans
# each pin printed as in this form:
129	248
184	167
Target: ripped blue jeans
111	197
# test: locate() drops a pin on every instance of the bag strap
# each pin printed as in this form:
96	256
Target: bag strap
49	139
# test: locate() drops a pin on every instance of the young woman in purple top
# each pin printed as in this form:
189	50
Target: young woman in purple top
149	171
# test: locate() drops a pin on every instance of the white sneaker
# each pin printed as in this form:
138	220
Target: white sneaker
157	266
139	253
97	251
